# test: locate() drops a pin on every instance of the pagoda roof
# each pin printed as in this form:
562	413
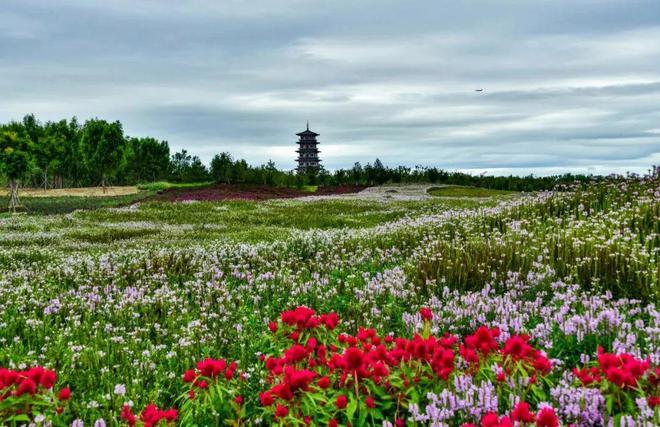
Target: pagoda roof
308	132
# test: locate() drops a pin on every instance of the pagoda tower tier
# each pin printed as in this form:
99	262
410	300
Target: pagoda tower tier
308	152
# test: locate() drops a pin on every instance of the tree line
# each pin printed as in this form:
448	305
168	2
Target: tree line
67	153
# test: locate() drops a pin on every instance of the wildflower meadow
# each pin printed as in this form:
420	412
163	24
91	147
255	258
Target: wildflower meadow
512	309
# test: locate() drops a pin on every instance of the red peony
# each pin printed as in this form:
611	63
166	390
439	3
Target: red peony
521	413
281	411
27	386
189	376
266	399
547	418
323	382
426	313
65	394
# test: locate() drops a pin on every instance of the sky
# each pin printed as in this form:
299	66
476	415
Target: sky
568	86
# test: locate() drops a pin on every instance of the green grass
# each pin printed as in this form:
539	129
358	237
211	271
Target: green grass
67	204
460	191
164	185
310	188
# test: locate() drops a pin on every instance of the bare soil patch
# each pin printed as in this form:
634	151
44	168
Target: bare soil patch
74	192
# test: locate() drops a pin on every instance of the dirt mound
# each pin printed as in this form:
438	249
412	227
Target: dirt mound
247	192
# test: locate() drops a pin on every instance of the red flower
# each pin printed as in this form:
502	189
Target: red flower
212	368
266	399
353	357
239	399
426	313
65	394
341	402
323	382
517	347
521	413
653	401
27	386
272	326
281	411
483	340
547	418
170	414
189	376
333	423
491	420
127	415
48	379
295	354
370	402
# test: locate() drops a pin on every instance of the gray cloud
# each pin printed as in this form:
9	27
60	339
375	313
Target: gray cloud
568	86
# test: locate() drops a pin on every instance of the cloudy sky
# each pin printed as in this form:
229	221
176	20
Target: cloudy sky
568	85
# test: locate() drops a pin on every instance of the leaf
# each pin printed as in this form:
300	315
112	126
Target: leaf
352	407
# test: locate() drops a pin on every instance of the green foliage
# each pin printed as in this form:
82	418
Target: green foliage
459	191
15	156
102	143
145	160
188	168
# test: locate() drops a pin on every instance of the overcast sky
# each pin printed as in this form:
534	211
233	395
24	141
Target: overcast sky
567	85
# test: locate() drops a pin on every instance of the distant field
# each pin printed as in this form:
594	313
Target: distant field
75	192
460	191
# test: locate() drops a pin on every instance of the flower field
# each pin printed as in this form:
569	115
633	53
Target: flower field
538	309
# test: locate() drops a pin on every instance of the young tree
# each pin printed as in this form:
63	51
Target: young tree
357	173
15	153
180	163
222	167
103	144
197	172
240	170
270	173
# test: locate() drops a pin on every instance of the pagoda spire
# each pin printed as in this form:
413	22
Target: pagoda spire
307	124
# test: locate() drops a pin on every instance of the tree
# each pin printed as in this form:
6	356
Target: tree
15	153
222	167
197	172
270	173
180	163
146	159
102	143
240	170
356	173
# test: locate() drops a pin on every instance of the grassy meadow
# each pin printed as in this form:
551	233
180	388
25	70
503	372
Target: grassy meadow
444	310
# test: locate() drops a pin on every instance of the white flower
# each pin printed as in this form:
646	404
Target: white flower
120	389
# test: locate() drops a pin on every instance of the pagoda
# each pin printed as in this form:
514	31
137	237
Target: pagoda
308	153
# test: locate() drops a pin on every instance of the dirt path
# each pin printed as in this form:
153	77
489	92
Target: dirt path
385	193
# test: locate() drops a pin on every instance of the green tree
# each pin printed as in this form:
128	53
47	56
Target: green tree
222	167
146	159
102	144
15	156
